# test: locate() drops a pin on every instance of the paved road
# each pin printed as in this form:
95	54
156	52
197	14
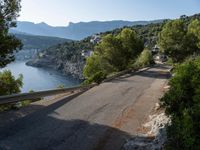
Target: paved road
102	118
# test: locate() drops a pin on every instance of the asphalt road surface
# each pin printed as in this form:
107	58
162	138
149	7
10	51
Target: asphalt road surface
103	117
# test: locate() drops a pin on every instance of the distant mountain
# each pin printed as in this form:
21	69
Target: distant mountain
13	31
39	42
33	44
74	31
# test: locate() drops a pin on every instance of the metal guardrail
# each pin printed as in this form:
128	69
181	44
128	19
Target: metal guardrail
118	75
36	95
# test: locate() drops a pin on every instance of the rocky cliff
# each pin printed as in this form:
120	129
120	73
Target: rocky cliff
64	57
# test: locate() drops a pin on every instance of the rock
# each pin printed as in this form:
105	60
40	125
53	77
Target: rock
157	106
67	68
156	123
155	138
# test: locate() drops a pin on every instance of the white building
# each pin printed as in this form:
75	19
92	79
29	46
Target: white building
86	53
95	39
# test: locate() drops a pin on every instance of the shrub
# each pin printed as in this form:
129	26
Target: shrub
96	78
144	59
61	86
113	54
8	43
182	103
21	104
93	65
8	83
99	77
18	105
178	41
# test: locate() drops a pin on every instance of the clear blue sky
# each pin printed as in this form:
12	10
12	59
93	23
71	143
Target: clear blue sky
61	12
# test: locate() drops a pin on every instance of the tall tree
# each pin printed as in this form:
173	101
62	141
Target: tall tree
176	41
194	28
114	53
182	104
119	50
9	11
131	43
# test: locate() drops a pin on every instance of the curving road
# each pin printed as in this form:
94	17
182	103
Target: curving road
103	117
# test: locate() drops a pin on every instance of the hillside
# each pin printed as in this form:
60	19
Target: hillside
64	57
67	57
33	44
39	42
74	31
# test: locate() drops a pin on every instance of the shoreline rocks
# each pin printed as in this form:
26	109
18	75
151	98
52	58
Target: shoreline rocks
67	68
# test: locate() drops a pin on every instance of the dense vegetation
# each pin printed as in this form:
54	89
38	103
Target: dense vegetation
180	39
121	49
69	51
144	59
9	10
182	103
66	57
147	33
39	42
114	53
9	84
64	54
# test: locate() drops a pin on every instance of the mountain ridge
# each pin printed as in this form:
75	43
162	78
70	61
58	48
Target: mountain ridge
74	31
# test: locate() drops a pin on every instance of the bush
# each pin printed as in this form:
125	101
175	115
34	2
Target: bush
8	84
145	59
182	103
113	54
18	105
5	107
99	77
96	78
93	65
61	86
179	40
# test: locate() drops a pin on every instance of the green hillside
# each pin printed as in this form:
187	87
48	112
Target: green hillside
39	42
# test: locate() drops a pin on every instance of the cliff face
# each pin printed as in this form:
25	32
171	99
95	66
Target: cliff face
63	57
67	68
76	69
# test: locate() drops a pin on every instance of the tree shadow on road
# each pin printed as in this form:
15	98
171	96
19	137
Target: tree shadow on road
155	74
146	73
48	130
15	114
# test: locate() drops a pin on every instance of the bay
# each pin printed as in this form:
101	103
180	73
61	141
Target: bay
39	79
